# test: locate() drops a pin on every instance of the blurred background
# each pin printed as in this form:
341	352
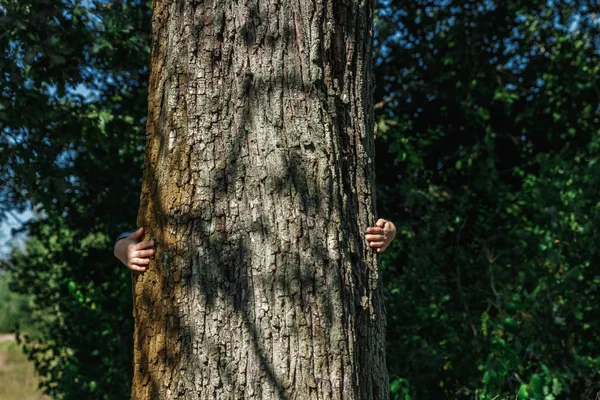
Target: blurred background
488	162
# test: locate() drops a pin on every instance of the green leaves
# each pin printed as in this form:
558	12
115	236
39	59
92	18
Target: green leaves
496	107
488	163
400	389
73	98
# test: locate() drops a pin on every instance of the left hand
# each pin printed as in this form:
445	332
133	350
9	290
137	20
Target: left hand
133	253
381	235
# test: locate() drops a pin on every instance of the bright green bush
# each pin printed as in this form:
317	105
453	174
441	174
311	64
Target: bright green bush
15	311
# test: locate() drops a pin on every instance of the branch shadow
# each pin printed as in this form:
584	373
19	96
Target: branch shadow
215	263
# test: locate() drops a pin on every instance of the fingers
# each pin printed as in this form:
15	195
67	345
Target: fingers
378	237
140	253
143	253
375	230
381	223
139	261
144	245
137	234
379	247
375	238
137	268
136	256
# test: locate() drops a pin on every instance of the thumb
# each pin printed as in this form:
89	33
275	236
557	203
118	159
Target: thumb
137	234
381	223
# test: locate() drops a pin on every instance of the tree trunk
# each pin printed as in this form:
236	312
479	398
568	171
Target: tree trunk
258	186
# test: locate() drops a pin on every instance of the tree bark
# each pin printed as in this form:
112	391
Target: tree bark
258	186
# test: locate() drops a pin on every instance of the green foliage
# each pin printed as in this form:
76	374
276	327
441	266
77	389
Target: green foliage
85	317
488	162
490	128
72	111
15	311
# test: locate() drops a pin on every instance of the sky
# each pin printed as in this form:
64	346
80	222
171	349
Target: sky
12	222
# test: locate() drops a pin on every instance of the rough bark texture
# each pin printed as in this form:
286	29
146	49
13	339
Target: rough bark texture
258	188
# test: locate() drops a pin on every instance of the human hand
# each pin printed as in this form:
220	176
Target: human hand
133	253
381	235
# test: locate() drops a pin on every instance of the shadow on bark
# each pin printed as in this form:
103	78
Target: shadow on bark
215	261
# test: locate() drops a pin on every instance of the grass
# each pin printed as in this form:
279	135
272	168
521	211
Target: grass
17	377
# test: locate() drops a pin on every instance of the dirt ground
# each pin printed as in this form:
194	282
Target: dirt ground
7	337
17	376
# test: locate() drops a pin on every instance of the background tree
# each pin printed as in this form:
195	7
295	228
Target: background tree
72	112
488	154
257	185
